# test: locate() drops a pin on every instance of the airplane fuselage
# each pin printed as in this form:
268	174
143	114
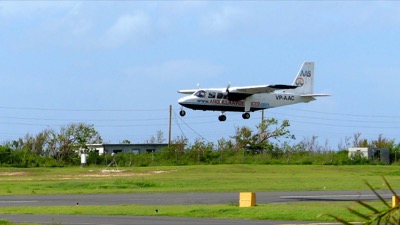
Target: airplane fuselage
216	101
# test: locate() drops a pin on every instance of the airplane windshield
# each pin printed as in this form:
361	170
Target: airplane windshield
200	94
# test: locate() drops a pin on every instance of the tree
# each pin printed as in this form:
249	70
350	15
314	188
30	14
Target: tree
40	146
224	146
201	148
179	143
382	142
268	129
358	142
126	141
311	144
242	137
72	138
159	139
345	145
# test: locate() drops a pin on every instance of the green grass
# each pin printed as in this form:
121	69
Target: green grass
218	178
5	222
311	211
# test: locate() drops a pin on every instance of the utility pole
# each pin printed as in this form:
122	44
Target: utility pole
170	126
262	115
262	127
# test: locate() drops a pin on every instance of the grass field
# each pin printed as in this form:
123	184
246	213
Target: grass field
218	178
293	211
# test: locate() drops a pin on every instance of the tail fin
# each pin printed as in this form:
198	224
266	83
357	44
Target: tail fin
304	79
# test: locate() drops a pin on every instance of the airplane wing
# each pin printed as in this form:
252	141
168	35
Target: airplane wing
189	91
240	93
260	89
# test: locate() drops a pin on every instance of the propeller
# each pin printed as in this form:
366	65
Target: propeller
227	88
226	93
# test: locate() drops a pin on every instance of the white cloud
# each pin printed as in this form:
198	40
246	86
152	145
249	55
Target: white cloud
44	24
127	28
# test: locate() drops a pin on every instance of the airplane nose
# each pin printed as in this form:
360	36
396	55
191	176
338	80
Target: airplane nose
181	100
184	101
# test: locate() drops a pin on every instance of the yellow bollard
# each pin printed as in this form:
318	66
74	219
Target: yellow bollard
395	201
247	199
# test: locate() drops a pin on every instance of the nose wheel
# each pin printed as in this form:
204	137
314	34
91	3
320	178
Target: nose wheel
182	113
246	116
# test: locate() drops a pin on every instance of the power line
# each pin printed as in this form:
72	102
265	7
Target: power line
192	128
179	126
345	114
194	123
340	120
95	120
80	110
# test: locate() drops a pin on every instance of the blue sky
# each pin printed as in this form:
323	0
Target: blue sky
118	65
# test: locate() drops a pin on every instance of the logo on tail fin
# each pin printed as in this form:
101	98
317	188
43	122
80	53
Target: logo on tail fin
304	79
299	82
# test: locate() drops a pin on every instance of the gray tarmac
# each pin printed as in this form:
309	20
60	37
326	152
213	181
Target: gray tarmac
168	199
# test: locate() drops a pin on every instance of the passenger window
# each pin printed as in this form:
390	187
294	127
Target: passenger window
211	95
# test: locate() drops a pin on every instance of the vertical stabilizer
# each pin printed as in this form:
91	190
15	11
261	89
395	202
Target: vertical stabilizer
304	79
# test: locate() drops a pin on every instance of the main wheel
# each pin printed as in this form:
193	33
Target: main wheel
246	116
222	118
182	113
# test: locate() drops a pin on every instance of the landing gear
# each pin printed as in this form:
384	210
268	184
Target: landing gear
222	117
246	115
182	113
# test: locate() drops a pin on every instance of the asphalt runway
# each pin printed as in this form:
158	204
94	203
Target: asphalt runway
167	199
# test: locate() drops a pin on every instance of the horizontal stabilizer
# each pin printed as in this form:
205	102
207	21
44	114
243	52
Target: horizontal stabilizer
315	95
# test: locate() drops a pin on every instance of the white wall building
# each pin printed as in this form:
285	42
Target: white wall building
381	154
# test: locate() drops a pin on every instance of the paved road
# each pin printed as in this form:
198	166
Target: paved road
185	198
167	199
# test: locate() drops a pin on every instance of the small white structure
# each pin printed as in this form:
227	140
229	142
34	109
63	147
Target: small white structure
381	154
83	159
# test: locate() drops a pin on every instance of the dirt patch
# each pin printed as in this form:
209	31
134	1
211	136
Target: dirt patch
90	174
122	173
13	173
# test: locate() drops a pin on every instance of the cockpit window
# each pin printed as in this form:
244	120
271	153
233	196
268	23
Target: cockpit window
200	94
220	95
211	94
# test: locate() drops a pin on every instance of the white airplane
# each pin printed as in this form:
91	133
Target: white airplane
252	98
